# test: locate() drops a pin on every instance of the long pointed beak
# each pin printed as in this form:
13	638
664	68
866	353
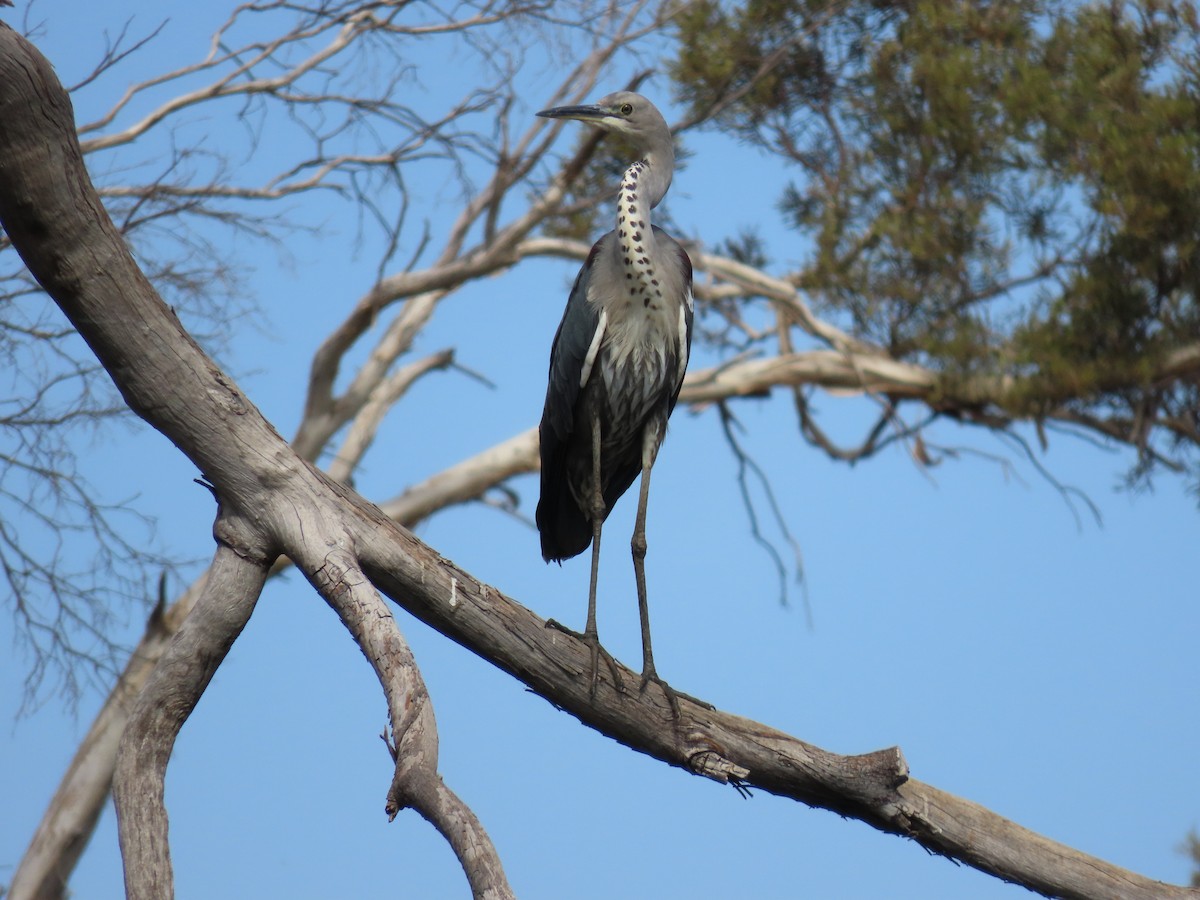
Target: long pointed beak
584	113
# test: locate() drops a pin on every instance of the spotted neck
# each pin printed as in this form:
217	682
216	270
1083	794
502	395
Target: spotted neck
640	192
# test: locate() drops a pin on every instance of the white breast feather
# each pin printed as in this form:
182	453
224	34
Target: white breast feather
593	349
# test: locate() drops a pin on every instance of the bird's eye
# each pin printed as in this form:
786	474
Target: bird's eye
626	108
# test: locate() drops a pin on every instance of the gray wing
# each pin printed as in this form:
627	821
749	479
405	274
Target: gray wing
565	530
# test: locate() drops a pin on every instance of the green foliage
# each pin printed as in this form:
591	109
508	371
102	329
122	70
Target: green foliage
997	190
1130	144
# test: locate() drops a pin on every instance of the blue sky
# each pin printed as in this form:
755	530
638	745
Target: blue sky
1025	658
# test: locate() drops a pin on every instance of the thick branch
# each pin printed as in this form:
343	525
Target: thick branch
69	820
234	583
194	654
870	787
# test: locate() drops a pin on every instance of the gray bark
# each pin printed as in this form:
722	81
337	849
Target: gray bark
234	583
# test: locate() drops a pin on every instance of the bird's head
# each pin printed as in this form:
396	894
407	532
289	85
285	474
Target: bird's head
623	112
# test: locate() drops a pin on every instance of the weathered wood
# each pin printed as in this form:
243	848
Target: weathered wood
231	592
80	259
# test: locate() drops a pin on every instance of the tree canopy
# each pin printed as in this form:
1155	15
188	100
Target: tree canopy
1004	193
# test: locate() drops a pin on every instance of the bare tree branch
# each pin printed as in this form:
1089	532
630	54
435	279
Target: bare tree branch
232	589
333	570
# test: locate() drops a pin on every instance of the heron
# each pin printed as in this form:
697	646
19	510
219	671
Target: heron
616	366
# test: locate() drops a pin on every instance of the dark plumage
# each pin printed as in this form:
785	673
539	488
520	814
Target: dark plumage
630	392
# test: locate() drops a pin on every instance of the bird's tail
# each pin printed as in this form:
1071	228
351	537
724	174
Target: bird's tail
565	530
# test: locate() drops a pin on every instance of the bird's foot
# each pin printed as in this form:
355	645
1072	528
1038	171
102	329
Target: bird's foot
650	675
593	642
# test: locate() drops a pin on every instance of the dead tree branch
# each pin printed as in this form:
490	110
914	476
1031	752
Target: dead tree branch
234	583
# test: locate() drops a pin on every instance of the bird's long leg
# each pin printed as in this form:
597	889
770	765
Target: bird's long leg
638	546
651	440
597	526
590	635
652	436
